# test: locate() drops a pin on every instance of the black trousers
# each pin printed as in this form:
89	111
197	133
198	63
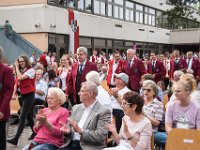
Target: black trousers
3	135
118	114
26	102
73	145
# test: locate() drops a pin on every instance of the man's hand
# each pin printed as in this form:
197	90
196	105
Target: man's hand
75	126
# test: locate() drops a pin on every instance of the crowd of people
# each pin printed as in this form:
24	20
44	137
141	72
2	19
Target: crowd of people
115	103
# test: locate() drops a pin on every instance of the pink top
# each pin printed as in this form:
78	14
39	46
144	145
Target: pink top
142	131
55	137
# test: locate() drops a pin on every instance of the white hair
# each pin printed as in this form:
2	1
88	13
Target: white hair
91	86
131	51
93	76
60	95
83	49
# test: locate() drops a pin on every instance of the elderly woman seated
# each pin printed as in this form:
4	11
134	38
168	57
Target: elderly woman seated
136	130
49	121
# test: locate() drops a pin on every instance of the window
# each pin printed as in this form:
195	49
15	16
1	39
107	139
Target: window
81	5
70	4
118	9
110	8
129	10
99	7
88	5
138	13
62	3
149	16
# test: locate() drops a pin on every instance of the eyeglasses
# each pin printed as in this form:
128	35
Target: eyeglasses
148	90
124	103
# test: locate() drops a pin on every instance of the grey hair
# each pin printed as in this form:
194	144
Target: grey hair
178	73
60	95
152	84
91	86
131	51
93	76
1	53
83	49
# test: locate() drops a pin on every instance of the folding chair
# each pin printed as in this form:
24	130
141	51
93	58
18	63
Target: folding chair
183	139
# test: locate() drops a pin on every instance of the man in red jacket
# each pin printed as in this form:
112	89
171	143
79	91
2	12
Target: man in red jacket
156	68
115	66
6	91
134	68
78	73
193	64
177	64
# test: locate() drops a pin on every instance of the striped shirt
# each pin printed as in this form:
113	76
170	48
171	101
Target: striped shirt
154	110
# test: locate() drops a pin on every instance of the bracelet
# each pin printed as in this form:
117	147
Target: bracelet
130	138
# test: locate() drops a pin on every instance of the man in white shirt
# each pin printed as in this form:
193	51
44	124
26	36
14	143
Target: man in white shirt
88	121
121	81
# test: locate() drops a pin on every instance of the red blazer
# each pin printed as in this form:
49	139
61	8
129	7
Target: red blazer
110	70
159	70
195	66
89	66
182	64
134	73
6	90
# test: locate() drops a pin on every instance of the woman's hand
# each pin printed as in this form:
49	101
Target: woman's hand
64	129
126	131
16	64
111	127
41	117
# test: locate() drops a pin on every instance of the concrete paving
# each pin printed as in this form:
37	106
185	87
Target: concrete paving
23	139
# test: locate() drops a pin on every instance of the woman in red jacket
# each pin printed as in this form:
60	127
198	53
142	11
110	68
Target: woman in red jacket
26	87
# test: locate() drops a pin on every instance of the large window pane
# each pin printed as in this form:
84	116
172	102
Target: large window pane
96	7
139	13
120	2
121	13
88	5
116	14
129	4
110	10
81	5
103	8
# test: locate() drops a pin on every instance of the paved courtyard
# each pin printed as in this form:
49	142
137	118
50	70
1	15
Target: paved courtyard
23	139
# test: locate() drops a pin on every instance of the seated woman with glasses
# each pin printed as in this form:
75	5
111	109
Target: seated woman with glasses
153	110
136	129
183	112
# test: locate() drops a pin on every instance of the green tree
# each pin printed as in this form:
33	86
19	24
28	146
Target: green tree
182	9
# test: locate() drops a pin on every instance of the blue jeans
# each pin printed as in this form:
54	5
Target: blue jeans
160	138
37	146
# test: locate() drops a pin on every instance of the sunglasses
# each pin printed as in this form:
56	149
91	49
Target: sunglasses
148	90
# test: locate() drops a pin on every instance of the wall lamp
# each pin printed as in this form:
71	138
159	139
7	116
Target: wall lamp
52	26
